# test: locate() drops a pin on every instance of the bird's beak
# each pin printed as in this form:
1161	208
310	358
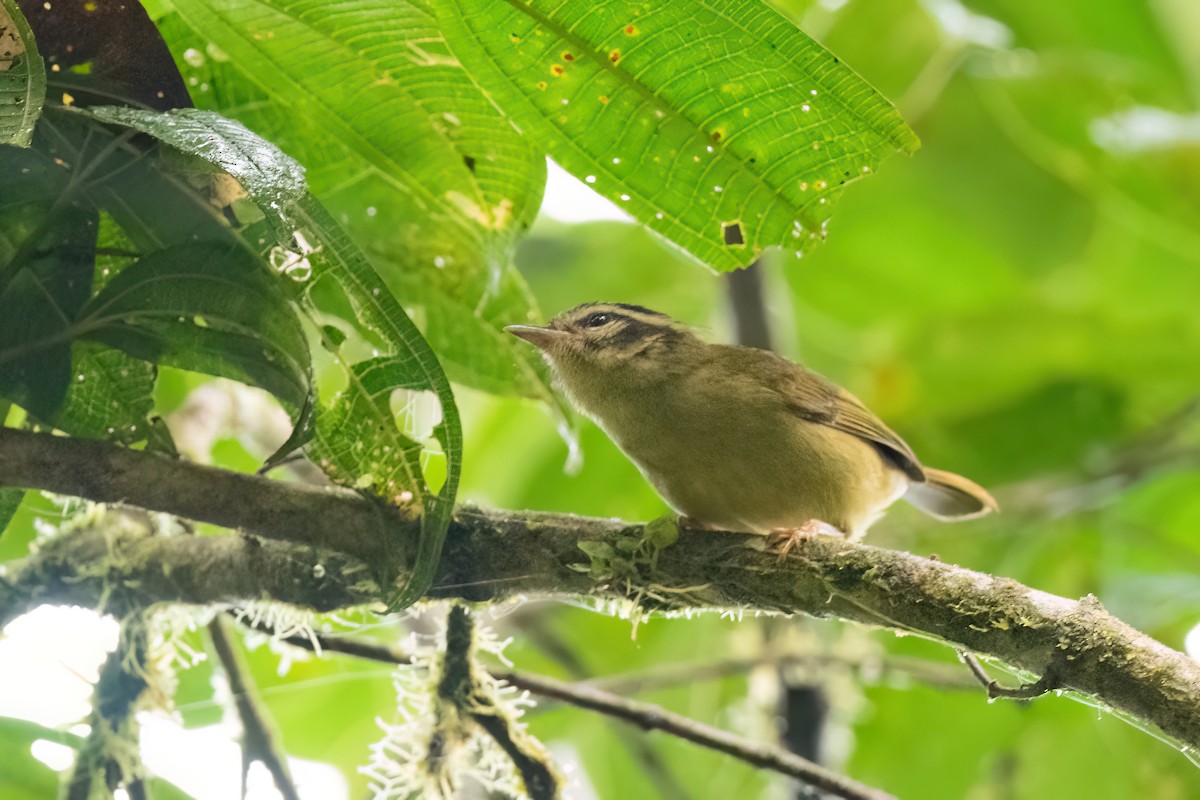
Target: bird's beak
541	338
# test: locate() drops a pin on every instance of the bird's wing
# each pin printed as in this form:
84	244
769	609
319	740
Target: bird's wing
819	400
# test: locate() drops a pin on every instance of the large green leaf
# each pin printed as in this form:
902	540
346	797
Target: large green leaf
275	181
718	124
420	197
25	777
357	439
47	247
110	396
375	75
408	363
208	308
22	77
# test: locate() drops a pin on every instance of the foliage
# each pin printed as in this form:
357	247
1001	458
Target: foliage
346	220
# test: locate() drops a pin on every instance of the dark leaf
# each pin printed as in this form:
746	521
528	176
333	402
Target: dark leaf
104	52
207	308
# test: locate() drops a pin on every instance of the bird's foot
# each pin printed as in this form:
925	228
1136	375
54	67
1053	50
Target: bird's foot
782	541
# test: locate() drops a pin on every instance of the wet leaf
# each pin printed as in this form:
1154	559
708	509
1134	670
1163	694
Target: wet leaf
723	128
401	146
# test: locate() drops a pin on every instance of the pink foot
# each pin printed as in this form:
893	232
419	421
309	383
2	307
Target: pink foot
783	540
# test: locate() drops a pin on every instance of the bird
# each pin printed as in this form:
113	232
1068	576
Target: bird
737	438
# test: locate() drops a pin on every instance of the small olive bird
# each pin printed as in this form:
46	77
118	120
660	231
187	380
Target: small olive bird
736	438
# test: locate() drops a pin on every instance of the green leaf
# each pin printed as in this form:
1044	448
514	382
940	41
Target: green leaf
390	465
10	501
413	203
408	363
155	202
23	776
47	249
386	87
22	77
208	308
270	176
720	126
35	349
110	397
469	338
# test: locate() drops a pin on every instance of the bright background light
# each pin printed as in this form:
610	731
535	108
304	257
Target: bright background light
569	199
49	660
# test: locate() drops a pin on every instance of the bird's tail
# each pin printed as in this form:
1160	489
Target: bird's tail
950	497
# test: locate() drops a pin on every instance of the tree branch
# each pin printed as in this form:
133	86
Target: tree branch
494	555
650	717
461	688
109	756
647	716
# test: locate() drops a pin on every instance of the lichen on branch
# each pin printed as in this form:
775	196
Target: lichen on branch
323	549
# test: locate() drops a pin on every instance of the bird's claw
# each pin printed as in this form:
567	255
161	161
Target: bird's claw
782	541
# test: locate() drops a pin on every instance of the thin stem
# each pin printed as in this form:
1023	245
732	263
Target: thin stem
650	717
647	716
260	742
1026	691
107	758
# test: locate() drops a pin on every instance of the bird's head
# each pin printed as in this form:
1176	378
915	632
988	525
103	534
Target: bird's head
598	338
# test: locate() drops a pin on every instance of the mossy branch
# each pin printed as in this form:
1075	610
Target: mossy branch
317	544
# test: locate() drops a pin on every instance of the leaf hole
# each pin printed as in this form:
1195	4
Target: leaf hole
731	232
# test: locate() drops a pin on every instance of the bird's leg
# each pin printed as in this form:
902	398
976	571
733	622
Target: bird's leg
783	540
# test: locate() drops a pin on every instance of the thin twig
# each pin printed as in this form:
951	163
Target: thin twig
1026	691
537	631
650	717
647	716
259	740
870	671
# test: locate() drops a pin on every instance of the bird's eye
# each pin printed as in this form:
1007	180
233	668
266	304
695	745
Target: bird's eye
595	320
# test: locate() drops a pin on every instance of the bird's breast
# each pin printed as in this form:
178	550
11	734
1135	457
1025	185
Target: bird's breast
752	466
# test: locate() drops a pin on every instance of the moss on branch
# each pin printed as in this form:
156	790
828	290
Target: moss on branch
313	547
